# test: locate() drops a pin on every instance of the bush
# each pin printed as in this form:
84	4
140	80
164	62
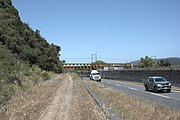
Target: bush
16	75
45	76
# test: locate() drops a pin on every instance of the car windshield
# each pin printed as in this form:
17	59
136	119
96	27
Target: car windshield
160	80
95	73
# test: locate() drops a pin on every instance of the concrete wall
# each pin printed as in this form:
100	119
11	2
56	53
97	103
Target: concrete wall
139	75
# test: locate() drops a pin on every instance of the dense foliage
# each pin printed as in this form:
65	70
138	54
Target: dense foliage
147	62
100	62
26	44
24	55
164	63
16	76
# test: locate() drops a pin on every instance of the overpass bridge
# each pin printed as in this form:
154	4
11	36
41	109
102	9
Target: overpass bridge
90	66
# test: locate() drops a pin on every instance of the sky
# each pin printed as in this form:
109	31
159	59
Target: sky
117	31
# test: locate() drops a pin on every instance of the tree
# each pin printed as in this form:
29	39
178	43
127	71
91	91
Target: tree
146	62
164	63
25	43
63	61
100	62
37	32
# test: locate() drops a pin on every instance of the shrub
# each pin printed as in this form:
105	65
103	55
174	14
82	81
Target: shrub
45	75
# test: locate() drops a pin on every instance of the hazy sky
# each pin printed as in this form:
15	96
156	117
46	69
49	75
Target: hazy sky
115	30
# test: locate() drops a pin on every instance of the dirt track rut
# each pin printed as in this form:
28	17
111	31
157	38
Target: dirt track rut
58	108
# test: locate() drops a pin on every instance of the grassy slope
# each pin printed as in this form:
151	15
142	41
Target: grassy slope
20	45
16	77
23	55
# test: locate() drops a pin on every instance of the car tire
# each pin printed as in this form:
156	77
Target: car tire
146	88
155	89
169	90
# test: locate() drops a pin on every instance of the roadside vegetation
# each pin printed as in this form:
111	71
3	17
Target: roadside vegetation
148	62
62	97
82	106
26	58
16	76
26	44
129	107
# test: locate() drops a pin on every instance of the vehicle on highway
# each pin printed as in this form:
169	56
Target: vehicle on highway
94	75
157	83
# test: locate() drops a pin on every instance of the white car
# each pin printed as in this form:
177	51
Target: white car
94	75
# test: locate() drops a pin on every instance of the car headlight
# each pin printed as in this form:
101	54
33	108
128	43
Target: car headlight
159	85
170	84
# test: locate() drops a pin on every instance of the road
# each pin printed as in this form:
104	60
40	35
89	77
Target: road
171	99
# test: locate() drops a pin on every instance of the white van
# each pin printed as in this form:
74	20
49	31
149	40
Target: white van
94	75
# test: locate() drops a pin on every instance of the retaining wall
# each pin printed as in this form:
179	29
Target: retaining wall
139	75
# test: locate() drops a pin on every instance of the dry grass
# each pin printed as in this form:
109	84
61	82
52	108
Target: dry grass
29	104
82	106
129	107
48	101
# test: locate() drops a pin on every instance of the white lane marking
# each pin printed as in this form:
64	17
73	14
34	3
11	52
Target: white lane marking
118	85
132	88
131	84
175	91
159	95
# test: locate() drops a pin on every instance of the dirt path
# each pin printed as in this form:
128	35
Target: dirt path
82	105
67	99
62	98
59	106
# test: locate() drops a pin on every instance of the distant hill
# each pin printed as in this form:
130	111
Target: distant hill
172	60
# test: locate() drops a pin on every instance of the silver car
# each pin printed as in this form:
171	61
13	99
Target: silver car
156	84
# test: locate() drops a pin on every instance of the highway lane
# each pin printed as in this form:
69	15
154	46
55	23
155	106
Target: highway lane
171	99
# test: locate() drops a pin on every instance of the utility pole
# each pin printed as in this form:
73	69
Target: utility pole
93	56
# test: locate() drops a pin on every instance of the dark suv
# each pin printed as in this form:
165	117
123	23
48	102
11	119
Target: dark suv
156	84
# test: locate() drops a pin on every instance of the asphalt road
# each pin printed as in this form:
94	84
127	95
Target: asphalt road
171	99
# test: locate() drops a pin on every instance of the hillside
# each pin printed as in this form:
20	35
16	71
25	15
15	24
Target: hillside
25	56
26	44
172	60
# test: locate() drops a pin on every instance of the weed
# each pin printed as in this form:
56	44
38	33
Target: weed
45	75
